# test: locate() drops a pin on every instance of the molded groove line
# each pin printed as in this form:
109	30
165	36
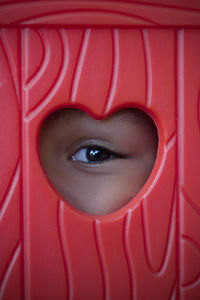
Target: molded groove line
167	148
192	242
148	66
10	191
43	65
198	111
147	5
171	140
10	64
25	214
169	240
79	66
59	78
172	295
9	269
101	259
21	200
190	202
25	66
127	250
180	154
40	18
115	70
193	283
64	250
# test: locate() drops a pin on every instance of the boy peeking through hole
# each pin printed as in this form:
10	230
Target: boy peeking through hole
98	166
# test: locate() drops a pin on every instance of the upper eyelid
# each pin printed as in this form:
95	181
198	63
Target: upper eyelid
101	148
96	146
84	143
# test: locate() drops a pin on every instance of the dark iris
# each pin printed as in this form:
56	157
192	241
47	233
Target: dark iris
97	154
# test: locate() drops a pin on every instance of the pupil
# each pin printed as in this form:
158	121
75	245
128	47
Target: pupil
96	155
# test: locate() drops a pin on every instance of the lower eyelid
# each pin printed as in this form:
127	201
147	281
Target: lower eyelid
96	169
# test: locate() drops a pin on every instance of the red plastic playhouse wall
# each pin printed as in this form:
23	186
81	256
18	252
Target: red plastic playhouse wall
100	56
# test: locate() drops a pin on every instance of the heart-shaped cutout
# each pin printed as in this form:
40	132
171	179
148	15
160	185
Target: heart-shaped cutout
98	166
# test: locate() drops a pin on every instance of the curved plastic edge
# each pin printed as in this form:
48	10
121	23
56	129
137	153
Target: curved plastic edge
98	13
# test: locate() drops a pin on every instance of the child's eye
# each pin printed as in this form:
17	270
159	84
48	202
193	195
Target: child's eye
93	154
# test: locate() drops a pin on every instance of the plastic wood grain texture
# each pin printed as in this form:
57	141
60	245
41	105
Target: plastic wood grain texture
100	56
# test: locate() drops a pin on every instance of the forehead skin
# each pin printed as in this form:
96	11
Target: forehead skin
82	123
105	187
66	115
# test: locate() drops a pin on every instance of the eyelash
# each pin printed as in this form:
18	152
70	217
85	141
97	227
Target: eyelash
100	154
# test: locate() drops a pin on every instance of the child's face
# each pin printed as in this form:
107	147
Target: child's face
98	166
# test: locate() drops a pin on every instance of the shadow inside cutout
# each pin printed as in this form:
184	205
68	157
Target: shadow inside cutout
98	166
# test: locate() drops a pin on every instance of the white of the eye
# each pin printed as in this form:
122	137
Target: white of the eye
81	155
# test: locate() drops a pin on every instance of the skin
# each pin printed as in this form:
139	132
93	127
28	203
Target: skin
98	166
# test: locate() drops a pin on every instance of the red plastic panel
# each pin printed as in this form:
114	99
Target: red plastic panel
189	163
10	166
149	249
142	257
125	13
